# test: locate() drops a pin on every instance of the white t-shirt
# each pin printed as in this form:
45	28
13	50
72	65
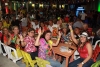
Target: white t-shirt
34	26
51	27
83	15
24	21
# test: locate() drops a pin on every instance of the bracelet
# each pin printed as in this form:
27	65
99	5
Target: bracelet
82	63
71	30
58	38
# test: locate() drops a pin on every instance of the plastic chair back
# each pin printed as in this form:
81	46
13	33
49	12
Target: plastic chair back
14	57
41	62
3	49
96	64
96	44
30	61
76	55
96	53
18	53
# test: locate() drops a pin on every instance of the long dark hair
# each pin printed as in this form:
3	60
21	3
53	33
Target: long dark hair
43	35
67	31
79	43
2	37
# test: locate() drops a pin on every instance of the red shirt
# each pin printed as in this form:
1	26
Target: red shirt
45	28
66	19
83	51
0	35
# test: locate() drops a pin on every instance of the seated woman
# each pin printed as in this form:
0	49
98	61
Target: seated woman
29	42
5	36
43	26
65	34
84	49
45	48
14	37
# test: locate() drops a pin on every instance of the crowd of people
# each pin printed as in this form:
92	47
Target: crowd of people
33	35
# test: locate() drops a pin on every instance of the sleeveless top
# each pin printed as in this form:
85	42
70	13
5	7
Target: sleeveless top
4	39
44	49
83	51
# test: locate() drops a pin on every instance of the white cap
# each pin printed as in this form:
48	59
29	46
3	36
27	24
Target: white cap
84	34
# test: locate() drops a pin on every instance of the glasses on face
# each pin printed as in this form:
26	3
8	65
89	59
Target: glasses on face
32	32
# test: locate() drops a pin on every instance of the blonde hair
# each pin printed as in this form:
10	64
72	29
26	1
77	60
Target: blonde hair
14	27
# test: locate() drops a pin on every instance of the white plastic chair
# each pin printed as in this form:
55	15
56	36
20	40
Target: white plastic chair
76	55
1	49
14	57
92	37
96	44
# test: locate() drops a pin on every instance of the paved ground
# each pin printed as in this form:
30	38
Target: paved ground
4	62
20	64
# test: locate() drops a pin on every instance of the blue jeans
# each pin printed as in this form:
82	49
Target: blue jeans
54	63
87	64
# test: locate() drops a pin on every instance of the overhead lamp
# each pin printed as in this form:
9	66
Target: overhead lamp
23	4
54	5
41	5
59	6
33	5
63	6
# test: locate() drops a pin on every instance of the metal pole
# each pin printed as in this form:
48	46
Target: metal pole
27	5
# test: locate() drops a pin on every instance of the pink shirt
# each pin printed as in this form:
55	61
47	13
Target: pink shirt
30	47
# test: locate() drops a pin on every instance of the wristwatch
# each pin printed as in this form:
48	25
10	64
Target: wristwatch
82	63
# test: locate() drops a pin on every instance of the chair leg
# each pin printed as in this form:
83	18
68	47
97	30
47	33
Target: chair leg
27	65
14	61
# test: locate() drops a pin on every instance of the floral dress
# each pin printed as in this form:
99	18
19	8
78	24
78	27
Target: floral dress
43	49
44	52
